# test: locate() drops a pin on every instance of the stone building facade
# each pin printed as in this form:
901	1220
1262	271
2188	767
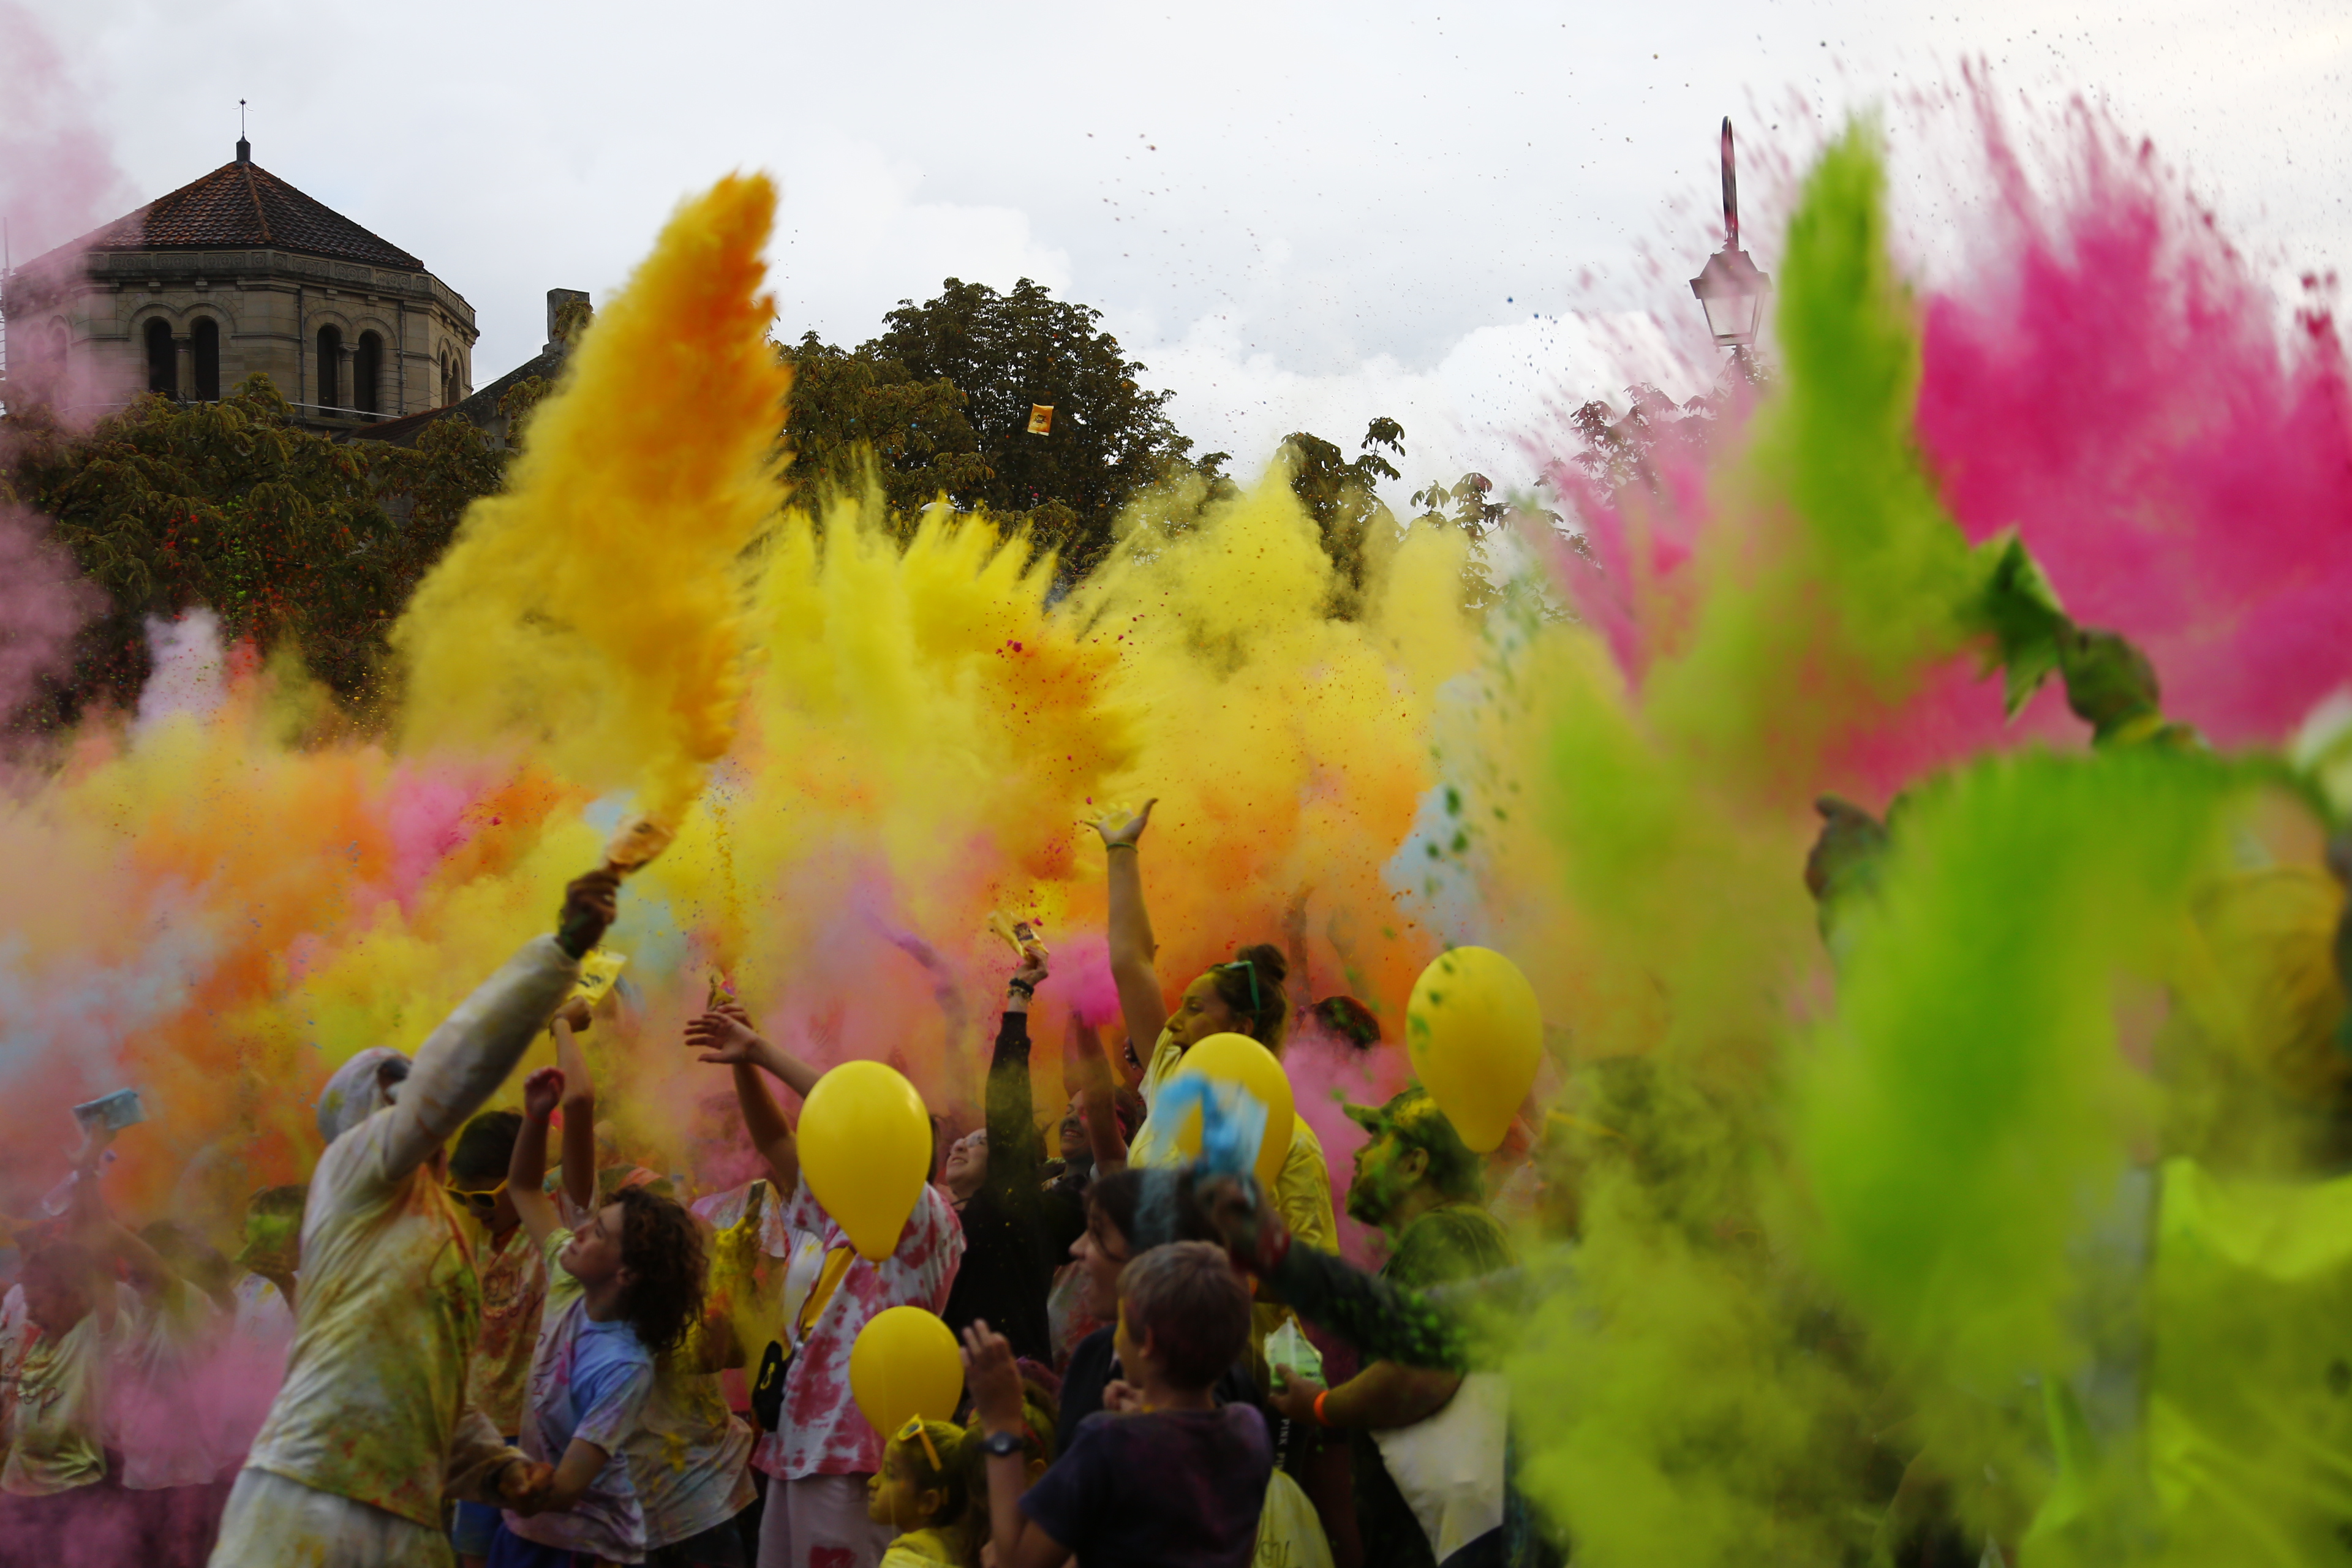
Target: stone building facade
234	273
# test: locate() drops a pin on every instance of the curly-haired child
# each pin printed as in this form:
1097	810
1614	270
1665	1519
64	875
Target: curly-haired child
622	1290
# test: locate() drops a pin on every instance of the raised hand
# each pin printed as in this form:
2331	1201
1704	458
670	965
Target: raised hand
590	907
725	1035
542	1091
993	1379
575	1014
1121	828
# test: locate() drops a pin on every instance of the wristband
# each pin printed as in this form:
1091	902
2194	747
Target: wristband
1021	988
1320	1419
1109	848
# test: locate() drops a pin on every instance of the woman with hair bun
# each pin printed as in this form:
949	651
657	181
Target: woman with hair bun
1245	996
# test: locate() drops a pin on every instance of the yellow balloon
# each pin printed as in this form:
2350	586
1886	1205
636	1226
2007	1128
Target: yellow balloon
905	1365
865	1153
1237	1058
1474	1033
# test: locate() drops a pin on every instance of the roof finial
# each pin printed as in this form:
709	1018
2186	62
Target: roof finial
244	147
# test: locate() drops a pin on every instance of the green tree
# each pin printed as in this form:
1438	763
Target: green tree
847	403
287	535
1343	497
1005	353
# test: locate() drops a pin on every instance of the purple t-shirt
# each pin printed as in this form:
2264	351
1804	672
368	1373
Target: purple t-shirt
1180	1489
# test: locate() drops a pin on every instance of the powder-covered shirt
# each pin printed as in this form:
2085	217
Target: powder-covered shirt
825	1433
166	1418
387	1319
690	1456
56	1441
1443	1245
389	1307
514	1289
1167	1488
589	1382
16	1337
1154	1145
941	1548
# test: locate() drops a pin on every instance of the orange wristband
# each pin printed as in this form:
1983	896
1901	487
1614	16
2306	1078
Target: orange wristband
1320	1419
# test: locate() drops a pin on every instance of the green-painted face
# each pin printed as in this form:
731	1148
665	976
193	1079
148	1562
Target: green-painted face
1381	1178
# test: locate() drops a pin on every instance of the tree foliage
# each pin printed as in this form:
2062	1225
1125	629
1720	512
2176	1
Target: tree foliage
1004	352
922	446
1342	495
287	535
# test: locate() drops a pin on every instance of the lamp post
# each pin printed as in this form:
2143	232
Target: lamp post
1729	288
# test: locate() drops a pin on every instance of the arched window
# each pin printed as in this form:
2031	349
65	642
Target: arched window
204	343
61	347
449	379
163	359
367	366
331	368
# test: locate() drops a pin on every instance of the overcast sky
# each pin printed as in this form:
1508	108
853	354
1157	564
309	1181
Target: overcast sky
1294	214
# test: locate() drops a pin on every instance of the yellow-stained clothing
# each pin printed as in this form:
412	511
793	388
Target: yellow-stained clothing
514	1293
54	1439
941	1548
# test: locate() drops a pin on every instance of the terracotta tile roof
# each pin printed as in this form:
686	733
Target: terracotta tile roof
242	204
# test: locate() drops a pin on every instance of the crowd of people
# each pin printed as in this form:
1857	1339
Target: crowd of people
458	1343
492	1336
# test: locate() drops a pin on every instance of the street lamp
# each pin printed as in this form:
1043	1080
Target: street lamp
1729	288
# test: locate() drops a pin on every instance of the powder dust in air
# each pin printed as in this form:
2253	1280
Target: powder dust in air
1909	1207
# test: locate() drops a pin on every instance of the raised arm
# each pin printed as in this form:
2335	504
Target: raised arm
1089	1076
527	1167
724	1036
1382	1321
1013	1155
1132	948
94	1228
1015	1539
579	1105
470	1055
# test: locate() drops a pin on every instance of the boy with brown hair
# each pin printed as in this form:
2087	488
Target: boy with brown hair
1163	1475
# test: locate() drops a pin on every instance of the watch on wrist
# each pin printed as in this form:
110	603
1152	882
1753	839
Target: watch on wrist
1000	1444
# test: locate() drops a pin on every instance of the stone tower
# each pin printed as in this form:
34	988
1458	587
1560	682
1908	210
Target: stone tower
236	273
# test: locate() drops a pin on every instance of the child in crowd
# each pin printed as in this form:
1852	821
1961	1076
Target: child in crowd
623	1288
1164	1474
689	1455
922	1491
820	1460
514	1288
1128	1213
368	1433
